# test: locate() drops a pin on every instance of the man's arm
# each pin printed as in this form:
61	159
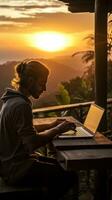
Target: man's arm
30	138
42	127
40	139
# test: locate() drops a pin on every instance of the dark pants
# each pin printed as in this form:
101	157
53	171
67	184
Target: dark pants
46	172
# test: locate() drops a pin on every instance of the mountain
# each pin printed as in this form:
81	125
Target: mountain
6	75
59	72
61	69
74	62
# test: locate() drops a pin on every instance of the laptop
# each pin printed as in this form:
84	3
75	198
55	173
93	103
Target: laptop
89	127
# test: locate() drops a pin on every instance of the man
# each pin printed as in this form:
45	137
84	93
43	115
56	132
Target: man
19	140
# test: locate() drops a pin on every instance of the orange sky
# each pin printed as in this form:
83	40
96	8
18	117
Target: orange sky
20	20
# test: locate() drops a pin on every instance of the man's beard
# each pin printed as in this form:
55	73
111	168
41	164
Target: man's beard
34	92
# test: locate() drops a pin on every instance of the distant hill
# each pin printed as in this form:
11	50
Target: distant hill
6	75
73	62
59	72
61	69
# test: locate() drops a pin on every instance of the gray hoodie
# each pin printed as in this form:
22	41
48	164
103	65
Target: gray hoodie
16	126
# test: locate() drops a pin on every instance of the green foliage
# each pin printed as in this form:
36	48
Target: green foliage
79	89
63	95
89	73
52	114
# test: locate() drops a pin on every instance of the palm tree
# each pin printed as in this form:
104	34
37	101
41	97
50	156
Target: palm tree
88	57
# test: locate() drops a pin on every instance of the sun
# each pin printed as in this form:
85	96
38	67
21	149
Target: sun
50	41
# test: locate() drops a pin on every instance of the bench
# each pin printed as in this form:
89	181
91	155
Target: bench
20	191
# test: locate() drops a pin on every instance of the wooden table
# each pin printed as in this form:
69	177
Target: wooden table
98	141
86	154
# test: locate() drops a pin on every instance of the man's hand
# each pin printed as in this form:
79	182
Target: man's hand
66	126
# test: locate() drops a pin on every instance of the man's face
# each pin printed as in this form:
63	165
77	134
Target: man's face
38	86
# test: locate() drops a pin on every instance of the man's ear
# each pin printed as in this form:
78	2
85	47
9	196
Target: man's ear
30	81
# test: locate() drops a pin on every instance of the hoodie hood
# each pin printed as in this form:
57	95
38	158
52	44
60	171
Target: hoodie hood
10	93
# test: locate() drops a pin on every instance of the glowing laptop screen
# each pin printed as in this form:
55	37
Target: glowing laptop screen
93	117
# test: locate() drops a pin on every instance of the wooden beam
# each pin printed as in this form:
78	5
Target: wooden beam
101	56
76	6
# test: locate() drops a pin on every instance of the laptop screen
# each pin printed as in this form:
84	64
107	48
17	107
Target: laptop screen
93	117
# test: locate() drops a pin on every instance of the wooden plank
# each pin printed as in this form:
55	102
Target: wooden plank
47	120
85	159
62	107
84	5
69	144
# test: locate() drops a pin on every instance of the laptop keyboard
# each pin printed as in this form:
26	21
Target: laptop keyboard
80	131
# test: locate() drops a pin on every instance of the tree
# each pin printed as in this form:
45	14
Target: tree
63	95
88	59
78	90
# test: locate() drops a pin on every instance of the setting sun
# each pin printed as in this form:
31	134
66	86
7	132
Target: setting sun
50	41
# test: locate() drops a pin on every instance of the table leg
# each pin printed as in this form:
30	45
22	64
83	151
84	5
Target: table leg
102	185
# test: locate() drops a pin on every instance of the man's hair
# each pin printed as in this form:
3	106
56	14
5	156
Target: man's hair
27	69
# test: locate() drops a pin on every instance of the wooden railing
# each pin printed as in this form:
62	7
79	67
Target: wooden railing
78	110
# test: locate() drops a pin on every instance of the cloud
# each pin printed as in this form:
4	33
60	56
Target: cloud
37	6
63	22
28	7
27	11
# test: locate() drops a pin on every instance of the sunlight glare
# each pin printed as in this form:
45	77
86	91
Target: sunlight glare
50	41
